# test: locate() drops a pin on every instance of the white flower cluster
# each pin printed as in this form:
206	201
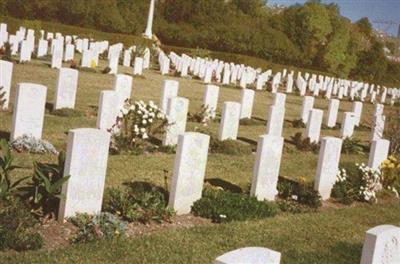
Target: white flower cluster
371	182
341	176
141	115
207	114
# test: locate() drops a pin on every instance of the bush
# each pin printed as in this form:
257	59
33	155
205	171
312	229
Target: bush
137	127
298	123
33	145
225	206
17	227
359	183
66	112
140	205
101	226
304	144
301	192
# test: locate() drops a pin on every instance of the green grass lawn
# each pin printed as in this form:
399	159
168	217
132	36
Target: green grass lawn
331	236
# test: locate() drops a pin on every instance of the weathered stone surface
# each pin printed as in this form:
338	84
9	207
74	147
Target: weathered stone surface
250	255
266	168
29	110
328	166
86	164
230	121
67	85
189	171
177	111
381	245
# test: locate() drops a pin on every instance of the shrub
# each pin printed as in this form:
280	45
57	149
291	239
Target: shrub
298	123
66	112
138	206
33	145
352	145
137	125
204	116
391	174
304	144
17	227
299	191
101	226
359	183
225	206
44	191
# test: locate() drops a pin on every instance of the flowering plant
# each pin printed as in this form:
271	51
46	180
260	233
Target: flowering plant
205	115
391	174
137	123
361	183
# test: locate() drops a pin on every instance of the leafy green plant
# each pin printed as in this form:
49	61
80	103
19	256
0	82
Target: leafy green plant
304	144
101	226
17	227
352	145
6	160
224	206
138	206
44	192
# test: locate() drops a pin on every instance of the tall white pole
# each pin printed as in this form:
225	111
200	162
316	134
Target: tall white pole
148	33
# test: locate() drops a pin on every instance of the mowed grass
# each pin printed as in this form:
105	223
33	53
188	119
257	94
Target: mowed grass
333	236
155	167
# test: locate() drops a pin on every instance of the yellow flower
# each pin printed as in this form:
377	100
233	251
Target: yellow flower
391	166
117	232
93	64
302	179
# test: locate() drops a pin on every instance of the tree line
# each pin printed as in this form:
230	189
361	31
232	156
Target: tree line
313	35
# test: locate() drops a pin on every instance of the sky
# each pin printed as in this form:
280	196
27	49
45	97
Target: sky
388	10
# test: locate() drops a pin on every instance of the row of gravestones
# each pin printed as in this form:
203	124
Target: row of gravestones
63	49
29	114
381	246
230	73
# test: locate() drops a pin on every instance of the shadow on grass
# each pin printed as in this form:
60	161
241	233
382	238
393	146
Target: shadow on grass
5	135
247	140
217	182
49	106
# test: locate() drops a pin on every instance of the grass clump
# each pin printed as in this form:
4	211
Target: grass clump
224	206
